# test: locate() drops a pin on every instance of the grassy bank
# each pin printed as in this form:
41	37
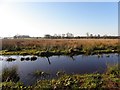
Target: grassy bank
44	47
109	80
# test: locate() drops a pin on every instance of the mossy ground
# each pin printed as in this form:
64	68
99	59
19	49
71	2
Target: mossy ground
71	51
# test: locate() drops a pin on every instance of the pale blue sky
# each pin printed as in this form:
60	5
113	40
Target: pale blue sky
38	19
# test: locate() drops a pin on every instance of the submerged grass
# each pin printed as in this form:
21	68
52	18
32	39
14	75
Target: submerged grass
41	74
109	80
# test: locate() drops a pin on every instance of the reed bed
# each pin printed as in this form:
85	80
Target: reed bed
59	46
56	42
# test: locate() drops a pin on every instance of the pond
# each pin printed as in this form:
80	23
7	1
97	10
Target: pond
79	64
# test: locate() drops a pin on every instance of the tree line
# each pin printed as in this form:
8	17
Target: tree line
71	36
67	36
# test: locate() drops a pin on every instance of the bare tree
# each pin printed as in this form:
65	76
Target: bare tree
63	35
87	34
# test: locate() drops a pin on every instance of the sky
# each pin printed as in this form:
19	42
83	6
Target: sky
40	18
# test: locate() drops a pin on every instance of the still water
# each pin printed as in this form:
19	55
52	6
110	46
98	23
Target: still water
80	64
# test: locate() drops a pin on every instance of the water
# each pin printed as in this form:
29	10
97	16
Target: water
71	65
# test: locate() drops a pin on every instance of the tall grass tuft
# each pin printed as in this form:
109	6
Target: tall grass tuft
10	74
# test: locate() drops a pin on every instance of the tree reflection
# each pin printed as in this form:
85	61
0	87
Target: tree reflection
48	60
72	57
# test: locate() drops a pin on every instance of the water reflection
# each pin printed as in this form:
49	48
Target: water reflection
48	60
72	57
31	58
79	64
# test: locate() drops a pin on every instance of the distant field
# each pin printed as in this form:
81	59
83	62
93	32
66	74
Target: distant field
57	42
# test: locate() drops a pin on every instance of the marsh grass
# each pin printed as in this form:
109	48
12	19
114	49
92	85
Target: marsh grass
113	70
49	47
58	44
10	74
110	80
40	74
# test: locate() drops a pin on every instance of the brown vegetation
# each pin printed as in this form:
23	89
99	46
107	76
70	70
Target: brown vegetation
57	42
58	46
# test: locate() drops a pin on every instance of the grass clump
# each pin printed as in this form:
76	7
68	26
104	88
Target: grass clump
10	74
